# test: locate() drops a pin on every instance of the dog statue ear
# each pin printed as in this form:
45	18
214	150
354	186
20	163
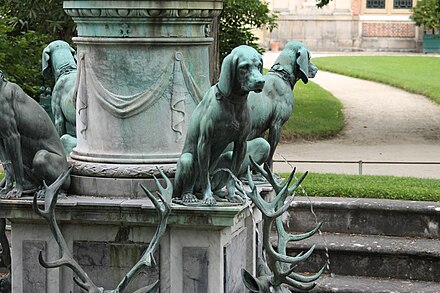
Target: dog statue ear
302	60
46	69
227	74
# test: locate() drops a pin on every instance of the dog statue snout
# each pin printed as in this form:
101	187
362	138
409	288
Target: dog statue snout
259	85
313	69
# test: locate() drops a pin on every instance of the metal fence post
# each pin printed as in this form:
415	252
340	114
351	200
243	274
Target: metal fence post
360	167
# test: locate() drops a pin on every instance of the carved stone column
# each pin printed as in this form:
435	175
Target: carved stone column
143	67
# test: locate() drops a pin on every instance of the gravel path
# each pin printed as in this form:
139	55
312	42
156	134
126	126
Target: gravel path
383	124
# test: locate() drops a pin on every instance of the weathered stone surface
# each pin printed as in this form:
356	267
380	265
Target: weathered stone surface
350	284
367	216
235	260
195	269
34	275
108	262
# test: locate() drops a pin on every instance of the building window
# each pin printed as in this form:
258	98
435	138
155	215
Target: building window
402	4
378	4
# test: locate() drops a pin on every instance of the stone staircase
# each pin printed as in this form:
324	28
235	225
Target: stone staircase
373	245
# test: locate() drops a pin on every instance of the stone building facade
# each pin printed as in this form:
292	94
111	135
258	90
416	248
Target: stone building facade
345	25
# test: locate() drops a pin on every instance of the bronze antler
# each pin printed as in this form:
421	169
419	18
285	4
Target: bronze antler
278	272
163	210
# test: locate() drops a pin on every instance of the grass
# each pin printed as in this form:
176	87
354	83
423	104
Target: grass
416	74
317	114
366	186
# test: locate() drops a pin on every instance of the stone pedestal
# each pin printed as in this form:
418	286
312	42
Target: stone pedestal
203	249
142	68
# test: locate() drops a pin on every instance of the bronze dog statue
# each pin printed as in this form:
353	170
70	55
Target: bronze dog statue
59	62
30	148
271	108
222	117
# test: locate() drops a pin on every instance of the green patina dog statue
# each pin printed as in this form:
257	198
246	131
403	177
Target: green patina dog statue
59	62
222	117
30	148
271	108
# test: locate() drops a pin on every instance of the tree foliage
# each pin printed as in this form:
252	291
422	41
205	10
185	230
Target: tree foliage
238	19
26	27
20	56
45	17
426	14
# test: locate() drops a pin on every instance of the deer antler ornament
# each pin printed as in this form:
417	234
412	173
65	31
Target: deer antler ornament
163	209
277	274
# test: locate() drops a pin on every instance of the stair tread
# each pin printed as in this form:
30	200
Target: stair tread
370	244
353	284
368	203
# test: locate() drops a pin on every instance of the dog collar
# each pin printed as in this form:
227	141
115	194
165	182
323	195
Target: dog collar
65	69
283	73
219	95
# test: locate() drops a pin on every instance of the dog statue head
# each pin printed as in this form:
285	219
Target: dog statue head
241	72
295	58
56	56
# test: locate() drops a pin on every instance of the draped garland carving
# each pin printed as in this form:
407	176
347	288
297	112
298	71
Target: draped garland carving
183	87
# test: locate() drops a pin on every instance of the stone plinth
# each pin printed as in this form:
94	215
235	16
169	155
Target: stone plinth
142	68
203	249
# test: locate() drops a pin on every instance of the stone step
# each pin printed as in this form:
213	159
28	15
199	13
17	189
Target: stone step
367	216
372	256
352	284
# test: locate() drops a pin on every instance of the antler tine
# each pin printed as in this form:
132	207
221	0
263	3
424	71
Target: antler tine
298	182
300	237
249	177
284	192
282	195
298	277
51	197
284	237
307	279
291	259
298	285
165	193
266	174
163	210
262	205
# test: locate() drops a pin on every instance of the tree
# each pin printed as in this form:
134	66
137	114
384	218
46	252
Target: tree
20	56
237	20
45	17
26	27
426	14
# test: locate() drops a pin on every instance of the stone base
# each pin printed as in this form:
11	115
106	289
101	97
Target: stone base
203	249
116	180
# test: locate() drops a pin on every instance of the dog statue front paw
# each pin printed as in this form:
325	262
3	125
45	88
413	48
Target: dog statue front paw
189	198
5	190
234	199
210	201
14	193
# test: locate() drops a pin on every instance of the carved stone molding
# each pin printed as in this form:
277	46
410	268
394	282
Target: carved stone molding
143	13
120	170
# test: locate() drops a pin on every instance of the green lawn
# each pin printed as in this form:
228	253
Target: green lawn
317	114
417	74
365	186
